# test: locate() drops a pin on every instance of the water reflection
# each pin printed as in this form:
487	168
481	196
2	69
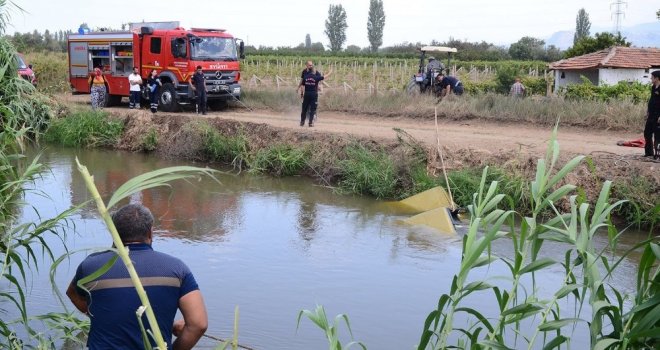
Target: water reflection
274	246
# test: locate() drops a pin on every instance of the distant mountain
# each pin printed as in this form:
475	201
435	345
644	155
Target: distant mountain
640	35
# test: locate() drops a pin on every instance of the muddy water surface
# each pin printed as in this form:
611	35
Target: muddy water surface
272	247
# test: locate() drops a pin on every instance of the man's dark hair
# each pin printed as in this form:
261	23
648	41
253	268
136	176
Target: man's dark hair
133	222
656	74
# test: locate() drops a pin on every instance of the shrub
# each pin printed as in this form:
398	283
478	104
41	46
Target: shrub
150	140
635	92
280	160
224	148
86	129
368	172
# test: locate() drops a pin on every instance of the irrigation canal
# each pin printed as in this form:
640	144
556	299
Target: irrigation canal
274	247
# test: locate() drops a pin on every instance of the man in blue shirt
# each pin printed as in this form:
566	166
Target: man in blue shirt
111	300
308	89
448	84
198	86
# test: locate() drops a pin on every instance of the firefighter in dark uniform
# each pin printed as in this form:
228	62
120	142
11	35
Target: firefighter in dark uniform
198	85
308	88
652	127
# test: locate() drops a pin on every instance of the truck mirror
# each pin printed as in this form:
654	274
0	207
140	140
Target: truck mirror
241	49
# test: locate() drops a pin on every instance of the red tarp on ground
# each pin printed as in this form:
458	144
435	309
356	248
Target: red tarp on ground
634	143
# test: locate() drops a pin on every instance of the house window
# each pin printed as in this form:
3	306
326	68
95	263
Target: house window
563	75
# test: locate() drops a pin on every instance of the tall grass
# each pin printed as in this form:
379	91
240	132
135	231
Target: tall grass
525	318
23	116
85	129
366	171
21	107
615	115
51	69
231	149
280	160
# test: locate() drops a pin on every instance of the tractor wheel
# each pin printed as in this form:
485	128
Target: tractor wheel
412	88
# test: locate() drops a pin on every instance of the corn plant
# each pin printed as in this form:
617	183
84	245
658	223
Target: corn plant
319	318
526	319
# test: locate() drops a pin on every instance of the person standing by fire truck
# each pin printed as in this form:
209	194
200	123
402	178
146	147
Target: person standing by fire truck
135	80
154	84
198	85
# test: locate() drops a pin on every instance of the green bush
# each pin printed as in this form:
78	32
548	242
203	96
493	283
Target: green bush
150	140
479	87
280	160
86	129
368	172
636	92
224	148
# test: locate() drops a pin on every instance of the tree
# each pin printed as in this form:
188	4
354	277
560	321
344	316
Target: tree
600	42
335	27
353	49
657	14
308	41
527	48
582	26
317	47
375	24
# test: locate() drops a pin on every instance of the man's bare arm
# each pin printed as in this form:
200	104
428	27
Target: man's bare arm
78	301
194	323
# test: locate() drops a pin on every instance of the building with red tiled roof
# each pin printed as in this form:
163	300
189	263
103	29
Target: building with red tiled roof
608	67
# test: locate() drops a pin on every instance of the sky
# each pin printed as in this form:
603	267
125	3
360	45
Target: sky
286	22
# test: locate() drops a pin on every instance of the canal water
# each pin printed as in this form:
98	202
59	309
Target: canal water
272	247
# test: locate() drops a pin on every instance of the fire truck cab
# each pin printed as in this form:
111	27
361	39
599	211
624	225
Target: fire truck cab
172	51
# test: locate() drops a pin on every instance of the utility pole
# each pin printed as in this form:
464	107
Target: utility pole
618	13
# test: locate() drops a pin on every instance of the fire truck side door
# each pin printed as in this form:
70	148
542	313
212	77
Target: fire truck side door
79	59
153	58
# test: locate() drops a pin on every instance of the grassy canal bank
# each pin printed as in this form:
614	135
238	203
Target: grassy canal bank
385	169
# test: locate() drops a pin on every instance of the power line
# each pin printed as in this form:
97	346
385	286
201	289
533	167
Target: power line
618	13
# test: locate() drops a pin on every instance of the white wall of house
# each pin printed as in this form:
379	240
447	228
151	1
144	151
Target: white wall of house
566	77
611	76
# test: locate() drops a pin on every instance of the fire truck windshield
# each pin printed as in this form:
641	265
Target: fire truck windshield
213	49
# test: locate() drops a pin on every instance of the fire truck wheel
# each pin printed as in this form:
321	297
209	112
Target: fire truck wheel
167	98
111	100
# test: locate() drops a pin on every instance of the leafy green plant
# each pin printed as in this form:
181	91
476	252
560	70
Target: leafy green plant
367	172
150	140
280	160
635	92
319	318
224	148
85	129
612	323
22	245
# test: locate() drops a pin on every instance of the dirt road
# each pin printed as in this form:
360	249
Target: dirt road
472	134
469	134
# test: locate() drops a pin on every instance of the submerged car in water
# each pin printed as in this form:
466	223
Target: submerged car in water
25	70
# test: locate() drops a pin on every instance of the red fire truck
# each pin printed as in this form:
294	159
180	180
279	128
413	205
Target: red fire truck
166	47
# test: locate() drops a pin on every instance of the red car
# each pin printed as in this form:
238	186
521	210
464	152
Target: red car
25	70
